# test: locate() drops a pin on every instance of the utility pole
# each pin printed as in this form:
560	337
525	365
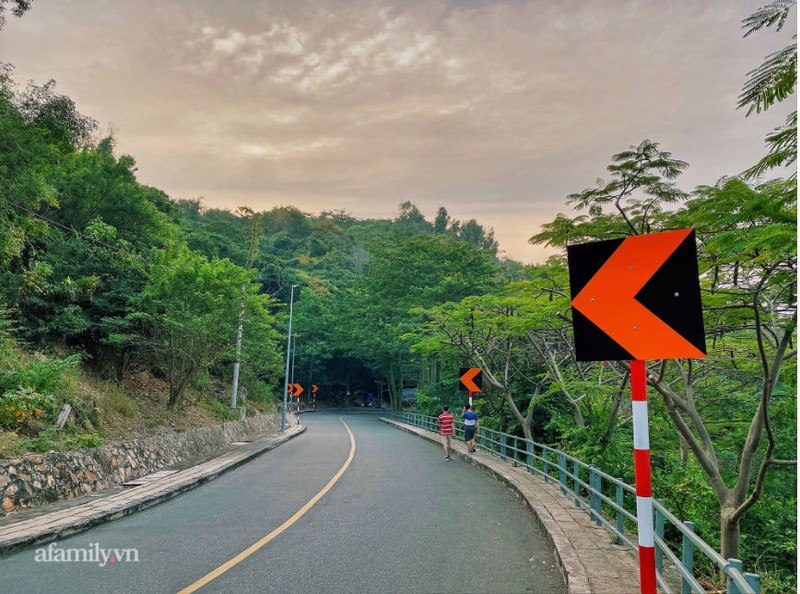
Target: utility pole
288	348
251	257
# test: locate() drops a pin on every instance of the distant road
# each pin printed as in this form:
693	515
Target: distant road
399	519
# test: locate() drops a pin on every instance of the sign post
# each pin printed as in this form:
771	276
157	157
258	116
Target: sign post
641	468
471	380
638	299
298	389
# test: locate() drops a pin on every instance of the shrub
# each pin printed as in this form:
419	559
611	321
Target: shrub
43	375
19	408
218	409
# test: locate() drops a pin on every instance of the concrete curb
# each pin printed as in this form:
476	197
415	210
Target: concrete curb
596	568
19	534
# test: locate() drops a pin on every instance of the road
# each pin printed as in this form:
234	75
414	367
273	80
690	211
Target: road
398	518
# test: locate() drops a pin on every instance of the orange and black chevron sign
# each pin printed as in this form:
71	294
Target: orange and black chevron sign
637	298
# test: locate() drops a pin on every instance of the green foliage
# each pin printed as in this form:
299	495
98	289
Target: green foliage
261	393
25	160
55	116
20	8
21	407
214	233
641	184
38	373
221	411
432	397
190	312
62	440
93	185
774	81
120	403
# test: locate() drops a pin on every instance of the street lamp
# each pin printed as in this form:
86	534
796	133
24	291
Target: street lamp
288	347
294	352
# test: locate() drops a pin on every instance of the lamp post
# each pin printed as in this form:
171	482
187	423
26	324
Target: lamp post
294	351
288	348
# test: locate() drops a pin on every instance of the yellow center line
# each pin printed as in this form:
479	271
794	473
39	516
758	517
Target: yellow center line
280	529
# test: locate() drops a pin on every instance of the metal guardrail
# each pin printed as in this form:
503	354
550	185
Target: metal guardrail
590	487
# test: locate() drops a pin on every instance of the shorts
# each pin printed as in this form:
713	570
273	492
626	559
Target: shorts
469	433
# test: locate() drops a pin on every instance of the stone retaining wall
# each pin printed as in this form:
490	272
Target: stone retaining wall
45	478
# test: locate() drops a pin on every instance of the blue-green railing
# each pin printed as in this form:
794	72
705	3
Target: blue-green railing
589	487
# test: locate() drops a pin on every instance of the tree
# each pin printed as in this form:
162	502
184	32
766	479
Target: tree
474	234
774	81
56	115
642	182
215	233
20	8
489	332
407	273
190	312
410	221
442	221
94	185
521	339
748	266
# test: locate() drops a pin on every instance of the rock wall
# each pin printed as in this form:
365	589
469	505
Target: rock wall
45	478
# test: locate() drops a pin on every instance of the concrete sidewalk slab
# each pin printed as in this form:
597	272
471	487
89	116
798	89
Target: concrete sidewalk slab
589	561
38	526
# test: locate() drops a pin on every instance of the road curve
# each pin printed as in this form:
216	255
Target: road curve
398	518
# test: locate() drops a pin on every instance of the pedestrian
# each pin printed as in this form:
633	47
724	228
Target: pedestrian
447	430
471	427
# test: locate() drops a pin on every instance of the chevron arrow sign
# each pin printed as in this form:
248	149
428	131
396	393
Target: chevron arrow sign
471	379
637	298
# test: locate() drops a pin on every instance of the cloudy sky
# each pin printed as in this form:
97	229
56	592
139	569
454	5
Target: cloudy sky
494	109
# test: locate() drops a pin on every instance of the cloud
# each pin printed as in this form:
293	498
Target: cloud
495	109
284	151
311	58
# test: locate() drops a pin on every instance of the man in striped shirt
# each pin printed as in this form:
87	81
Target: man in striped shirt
447	429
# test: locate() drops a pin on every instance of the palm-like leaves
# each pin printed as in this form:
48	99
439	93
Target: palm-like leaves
773	81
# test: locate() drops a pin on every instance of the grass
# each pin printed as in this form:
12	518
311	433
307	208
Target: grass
60	440
219	410
9	445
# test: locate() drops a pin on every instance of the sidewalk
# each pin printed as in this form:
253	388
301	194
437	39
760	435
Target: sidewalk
588	560
42	525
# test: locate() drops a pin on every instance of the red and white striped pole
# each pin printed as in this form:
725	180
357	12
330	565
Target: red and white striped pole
470	397
644	490
298	409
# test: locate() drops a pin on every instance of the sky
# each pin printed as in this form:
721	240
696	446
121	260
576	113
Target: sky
496	110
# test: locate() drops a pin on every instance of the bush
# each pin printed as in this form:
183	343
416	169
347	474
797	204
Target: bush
261	393
20	408
219	410
42	375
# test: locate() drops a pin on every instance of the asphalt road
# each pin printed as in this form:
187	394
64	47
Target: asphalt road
398	519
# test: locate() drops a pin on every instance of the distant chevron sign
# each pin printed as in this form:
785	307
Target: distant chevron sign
637	298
